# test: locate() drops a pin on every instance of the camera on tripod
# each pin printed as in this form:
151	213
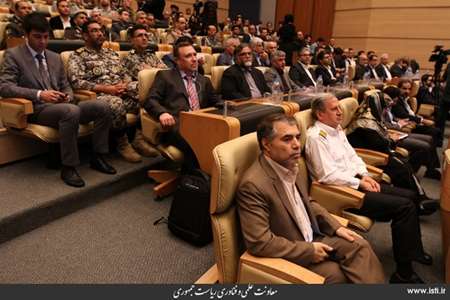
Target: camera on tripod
439	55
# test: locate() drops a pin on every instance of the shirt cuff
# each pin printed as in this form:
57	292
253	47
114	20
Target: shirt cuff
354	183
39	95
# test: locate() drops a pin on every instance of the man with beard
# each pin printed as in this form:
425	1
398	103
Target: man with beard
99	70
242	80
76	32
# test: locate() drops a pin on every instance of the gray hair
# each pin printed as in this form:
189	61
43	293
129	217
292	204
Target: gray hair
229	41
318	103
256	41
277	54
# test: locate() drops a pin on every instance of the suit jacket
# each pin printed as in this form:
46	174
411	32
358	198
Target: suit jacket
20	75
399	111
272	76
168	94
360	70
224	59
326	77
298	74
381	72
268	220
234	85
56	23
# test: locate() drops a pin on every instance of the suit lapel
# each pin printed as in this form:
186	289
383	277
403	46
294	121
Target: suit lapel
245	85
29	61
50	67
179	83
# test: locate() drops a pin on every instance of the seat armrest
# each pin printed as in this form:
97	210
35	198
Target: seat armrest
402	151
426	110
14	111
371	157
375	172
343	221
254	269
335	198
84	95
151	129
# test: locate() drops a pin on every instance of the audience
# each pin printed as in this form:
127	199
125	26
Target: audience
14	29
31	71
226	58
383	68
64	20
75	32
325	70
276	78
300	72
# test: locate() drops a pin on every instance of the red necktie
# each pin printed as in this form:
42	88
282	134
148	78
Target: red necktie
193	97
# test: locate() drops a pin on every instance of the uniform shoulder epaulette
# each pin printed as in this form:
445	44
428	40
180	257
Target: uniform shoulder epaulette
323	133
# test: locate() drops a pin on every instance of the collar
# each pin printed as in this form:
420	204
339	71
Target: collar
34	53
283	174
280	72
184	74
303	65
328	129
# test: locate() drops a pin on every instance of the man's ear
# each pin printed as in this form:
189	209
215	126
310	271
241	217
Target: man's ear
266	144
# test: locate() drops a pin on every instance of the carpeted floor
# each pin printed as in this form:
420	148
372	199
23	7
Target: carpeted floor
114	241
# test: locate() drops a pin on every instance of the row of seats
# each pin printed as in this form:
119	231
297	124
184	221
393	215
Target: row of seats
232	159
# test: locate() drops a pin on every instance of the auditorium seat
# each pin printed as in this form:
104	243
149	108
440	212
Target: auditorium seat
216	77
209	63
160	54
165	47
445	214
206	49
215	57
234	264
151	130
58	34
123	35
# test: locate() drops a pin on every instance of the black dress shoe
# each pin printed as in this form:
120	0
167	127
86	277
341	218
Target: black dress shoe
98	163
414	278
425	259
71	177
433	174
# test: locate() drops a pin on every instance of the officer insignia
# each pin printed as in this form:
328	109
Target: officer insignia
323	134
97	71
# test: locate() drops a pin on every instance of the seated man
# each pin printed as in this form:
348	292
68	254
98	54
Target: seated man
300	73
99	70
226	57
178	31
176	90
123	23
75	32
14	29
211	39
275	77
260	57
427	93
32	72
241	80
325	70
62	21
383	68
331	160
399	68
371	67
279	219
361	67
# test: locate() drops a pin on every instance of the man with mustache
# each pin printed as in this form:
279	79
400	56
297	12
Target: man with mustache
278	218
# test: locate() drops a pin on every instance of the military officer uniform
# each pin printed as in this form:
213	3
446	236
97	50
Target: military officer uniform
89	67
135	62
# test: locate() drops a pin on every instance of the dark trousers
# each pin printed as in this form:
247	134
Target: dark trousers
66	118
175	139
398	206
422	151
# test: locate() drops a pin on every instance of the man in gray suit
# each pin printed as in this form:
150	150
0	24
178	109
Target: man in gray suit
32	72
275	77
278	218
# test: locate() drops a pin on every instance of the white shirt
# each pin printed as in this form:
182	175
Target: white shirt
388	73
66	24
288	178
330	157
374	72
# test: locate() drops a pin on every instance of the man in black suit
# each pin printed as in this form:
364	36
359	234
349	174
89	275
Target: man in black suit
383	68
123	23
176	90
300	73
242	80
400	67
32	72
361	67
371	67
62	21
325	70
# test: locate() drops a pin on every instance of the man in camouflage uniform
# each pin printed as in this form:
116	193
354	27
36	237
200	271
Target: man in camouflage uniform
140	58
14	27
99	69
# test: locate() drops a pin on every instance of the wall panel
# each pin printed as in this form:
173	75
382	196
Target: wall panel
222	11
401	28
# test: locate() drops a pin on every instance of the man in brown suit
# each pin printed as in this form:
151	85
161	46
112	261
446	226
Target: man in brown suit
278	219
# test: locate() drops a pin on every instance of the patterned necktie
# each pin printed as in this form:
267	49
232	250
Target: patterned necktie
43	71
193	97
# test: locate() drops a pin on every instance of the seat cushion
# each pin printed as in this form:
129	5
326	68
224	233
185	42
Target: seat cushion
51	135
